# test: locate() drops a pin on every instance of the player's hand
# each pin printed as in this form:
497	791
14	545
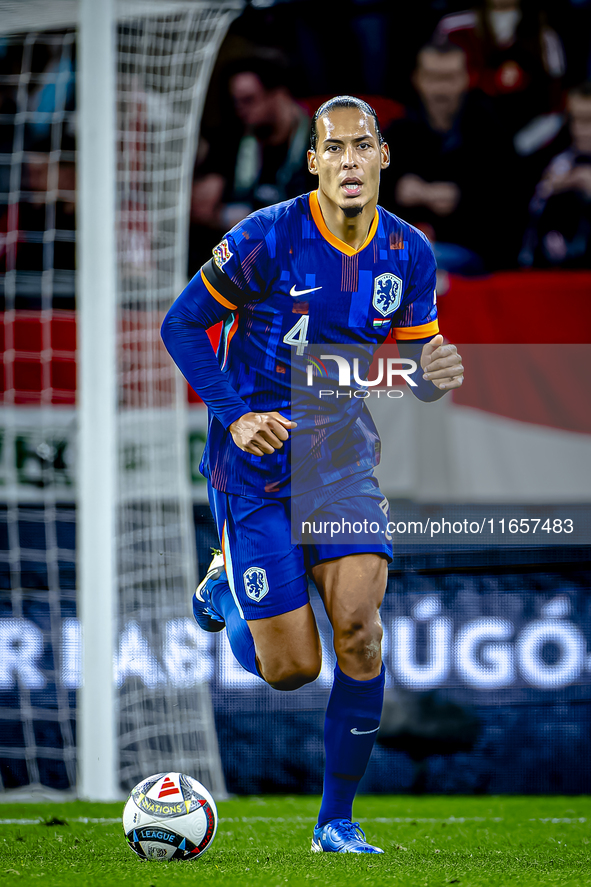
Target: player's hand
442	364
260	433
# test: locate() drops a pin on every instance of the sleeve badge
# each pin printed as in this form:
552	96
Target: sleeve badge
222	254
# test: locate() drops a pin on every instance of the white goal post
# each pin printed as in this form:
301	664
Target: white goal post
97	399
142	72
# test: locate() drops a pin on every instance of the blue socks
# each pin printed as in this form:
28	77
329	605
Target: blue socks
352	717
350	730
239	634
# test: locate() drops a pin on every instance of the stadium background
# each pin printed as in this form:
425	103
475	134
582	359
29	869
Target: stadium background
509	714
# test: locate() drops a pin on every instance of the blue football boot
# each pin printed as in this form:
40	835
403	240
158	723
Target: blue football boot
341	836
203	611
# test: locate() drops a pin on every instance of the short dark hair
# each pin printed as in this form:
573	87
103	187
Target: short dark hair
342	101
443	46
271	68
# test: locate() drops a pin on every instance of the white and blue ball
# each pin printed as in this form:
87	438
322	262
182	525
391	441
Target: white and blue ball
170	816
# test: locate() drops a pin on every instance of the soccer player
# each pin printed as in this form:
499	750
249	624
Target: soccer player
326	267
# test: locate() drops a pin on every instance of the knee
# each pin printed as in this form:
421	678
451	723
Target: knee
292	675
293	681
360	639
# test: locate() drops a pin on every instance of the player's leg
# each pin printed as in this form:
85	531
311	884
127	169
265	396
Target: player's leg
289	652
351	579
260	589
352	589
214	609
284	650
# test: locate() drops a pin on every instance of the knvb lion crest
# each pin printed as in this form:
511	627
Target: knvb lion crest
387	294
221	253
255	583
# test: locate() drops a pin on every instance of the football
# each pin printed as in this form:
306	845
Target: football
170	816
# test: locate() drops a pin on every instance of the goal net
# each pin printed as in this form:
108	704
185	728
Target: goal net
164	55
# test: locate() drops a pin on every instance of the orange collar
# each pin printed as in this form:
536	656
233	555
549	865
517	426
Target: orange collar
334	241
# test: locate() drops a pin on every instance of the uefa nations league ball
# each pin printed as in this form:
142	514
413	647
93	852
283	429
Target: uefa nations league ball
170	816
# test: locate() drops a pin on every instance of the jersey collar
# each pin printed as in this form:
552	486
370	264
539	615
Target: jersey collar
334	241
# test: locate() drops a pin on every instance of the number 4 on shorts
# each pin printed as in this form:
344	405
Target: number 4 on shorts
297	334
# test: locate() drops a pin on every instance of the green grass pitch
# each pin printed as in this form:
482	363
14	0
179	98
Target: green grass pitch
429	842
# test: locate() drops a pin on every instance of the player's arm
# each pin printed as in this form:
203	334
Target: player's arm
209	298
416	329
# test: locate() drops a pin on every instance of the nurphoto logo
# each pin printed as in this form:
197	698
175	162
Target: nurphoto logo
348	373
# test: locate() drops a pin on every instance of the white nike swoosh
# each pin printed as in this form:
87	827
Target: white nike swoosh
294	292
361	732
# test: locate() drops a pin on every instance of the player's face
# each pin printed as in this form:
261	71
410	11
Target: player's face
348	159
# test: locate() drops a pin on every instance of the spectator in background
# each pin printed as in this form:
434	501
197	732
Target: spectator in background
266	153
559	231
513	57
449	165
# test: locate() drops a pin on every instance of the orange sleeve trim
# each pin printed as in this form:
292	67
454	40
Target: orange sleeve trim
330	237
217	296
416	332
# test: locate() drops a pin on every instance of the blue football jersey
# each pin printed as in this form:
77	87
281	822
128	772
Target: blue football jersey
281	282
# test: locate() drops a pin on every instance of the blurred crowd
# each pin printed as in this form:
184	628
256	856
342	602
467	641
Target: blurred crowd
38	170
487	111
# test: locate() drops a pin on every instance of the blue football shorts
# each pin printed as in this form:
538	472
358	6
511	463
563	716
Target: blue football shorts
267	565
